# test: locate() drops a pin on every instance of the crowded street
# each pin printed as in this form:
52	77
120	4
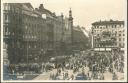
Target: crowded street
42	41
83	68
83	65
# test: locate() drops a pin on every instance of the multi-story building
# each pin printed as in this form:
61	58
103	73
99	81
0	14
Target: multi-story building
34	31
30	33
56	28
24	31
11	32
81	40
108	34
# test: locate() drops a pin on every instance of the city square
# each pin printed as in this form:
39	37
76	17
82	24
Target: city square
40	45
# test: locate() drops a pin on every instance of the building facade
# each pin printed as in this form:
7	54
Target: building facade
108	34
23	32
56	29
11	26
81	41
31	35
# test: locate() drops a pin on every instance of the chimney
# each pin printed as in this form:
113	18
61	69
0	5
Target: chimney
41	6
111	20
36	9
62	15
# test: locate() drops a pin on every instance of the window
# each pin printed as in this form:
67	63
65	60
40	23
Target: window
123	39
6	6
6	30
119	39
123	44
13	9
26	36
115	32
6	17
115	26
120	25
119	34
35	46
115	44
112	26
106	26
123	34
120	45
4	45
26	27
29	46
17	10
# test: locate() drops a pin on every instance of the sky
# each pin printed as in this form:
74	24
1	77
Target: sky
84	12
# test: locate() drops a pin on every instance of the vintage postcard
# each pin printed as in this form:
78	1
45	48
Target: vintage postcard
63	41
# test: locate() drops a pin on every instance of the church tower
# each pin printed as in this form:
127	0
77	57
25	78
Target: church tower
71	26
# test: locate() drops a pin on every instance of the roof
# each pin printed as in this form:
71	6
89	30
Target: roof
28	5
45	11
108	22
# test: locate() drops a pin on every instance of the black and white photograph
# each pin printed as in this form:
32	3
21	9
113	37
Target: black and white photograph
64	41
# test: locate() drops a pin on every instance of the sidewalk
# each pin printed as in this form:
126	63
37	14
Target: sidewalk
45	75
30	76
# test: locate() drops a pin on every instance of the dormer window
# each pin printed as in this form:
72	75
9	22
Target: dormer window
44	16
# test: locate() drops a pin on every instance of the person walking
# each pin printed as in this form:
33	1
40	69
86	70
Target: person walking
115	76
72	77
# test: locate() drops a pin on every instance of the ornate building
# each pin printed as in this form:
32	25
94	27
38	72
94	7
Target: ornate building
12	34
23	37
108	34
31	35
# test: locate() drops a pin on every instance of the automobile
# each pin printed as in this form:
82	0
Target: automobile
81	77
